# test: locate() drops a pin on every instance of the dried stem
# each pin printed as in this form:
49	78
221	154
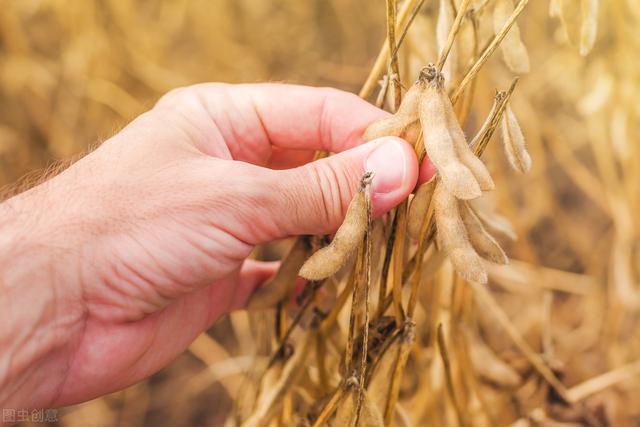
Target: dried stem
488	50
296	320
485	298
408	336
330	407
383	55
600	382
480	141
398	262
382	295
355	306
444	355
367	285
455	28
393	62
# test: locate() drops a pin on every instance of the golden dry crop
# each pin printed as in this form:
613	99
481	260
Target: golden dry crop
405	332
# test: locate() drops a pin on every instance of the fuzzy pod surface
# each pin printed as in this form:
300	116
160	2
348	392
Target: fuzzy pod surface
419	208
484	244
439	142
452	236
513	141
328	260
513	49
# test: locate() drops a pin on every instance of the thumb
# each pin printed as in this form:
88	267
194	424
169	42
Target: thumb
314	198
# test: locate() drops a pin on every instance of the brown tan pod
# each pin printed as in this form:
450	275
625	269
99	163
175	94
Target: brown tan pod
489	366
381	374
370	415
285	279
589	28
513	141
452	236
514	51
419	208
270	398
411	133
484	244
439	143
466	156
495	224
397	124
327	261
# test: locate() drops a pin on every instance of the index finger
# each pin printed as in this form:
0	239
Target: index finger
254	118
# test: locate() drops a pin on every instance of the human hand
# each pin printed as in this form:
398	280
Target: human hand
125	257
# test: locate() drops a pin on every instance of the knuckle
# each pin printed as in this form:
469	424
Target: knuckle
187	95
333	185
175	95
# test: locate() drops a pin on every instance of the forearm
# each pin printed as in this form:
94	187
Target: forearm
36	314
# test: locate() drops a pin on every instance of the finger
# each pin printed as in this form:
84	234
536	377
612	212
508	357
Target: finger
252	118
313	198
427	171
282	158
253	274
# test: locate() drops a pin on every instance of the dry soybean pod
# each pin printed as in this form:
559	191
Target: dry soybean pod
272	397
495	224
406	342
397	124
371	415
489	366
438	141
589	27
327	261
555	8
345	414
484	244
452	236
378	384
513	141
466	156
329	407
284	280
419	207
514	51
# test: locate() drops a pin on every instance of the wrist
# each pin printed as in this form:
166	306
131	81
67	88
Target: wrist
40	312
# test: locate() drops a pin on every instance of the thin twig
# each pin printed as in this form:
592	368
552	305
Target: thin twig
296	320
453	32
331	405
485	298
393	61
444	355
383	55
608	379
489	50
355	306
480	141
398	262
367	285
405	31
408	336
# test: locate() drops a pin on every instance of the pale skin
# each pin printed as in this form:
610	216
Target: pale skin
110	269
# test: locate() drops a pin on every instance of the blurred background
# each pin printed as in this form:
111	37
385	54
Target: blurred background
73	72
